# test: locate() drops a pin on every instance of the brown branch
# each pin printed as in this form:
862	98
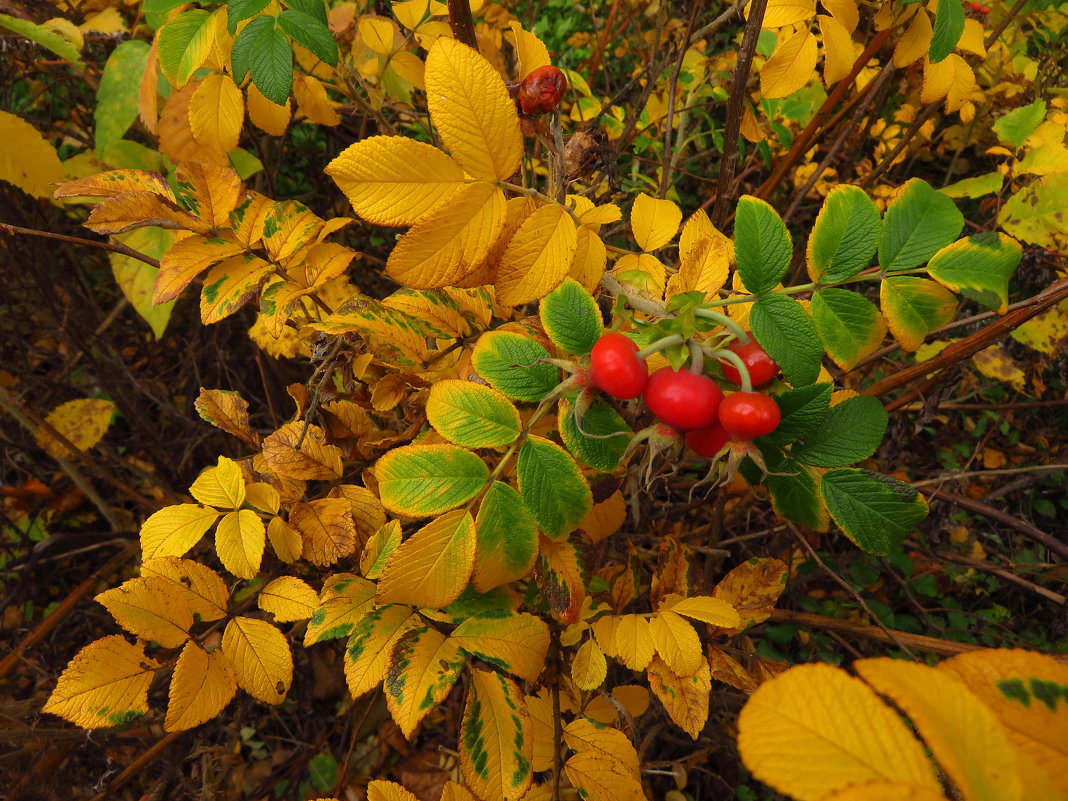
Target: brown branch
735	111
669	157
1038	589
967	347
115	247
462	23
1050	542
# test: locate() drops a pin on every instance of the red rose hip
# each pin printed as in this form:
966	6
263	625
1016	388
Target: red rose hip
708	441
762	368
682	399
615	367
541	90
747	415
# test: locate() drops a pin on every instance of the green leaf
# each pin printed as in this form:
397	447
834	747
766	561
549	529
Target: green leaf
849	325
271	61
1037	213
313	8
914	307
762	246
1015	127
161	6
875	511
979	267
918	224
183	45
507	538
552	487
137	279
571	318
310	33
426	480
803	411
609	440
787	334
472	415
975	187
42	36
237	10
852	431
116	97
947	29
795	494
844	237
241	52
511	363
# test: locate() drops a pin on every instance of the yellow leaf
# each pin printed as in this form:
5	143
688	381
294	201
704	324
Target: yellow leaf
495	738
187	259
228	411
410	68
604	766
995	363
516	643
239	542
457	792
288	598
424	666
752	589
150	607
815	729
394	180
589	667
964	735
82	422
780	13
265	114
27	159
845	11
449	242
230	284
685	698
315	460
368	515
704	267
727	669
837	49
633	642
432	567
972	40
216	113
201	687
560	573
591	258
1046	332
210	190
176	140
950	78
697	228
147	98
371	643
915	41
530	50
114	215
285	540
116	182
714	611
343	603
377	33
605	518
261	658
1028	693
537	258
222	486
173	530
654	222
472	110
326	529
106	684
632	697
202	588
313	102
676	642
380	790
790	67
644	271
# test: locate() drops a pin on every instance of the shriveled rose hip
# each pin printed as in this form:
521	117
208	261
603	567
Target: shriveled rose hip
541	90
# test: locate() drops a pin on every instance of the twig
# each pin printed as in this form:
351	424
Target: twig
673	83
1053	544
714	26
462	23
1056	597
735	111
115	247
1038	468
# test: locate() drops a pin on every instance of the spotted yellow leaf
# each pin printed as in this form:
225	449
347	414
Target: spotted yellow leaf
515	643
201	686
288	598
685	698
150	607
344	601
326	529
424	665
495	738
106	684
432	567
261	658
316	459
202	588
368	650
81	422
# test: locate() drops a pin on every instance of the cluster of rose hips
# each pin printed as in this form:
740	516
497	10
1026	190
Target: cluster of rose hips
691	402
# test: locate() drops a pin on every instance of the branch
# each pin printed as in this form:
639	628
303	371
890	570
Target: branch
115	247
462	23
